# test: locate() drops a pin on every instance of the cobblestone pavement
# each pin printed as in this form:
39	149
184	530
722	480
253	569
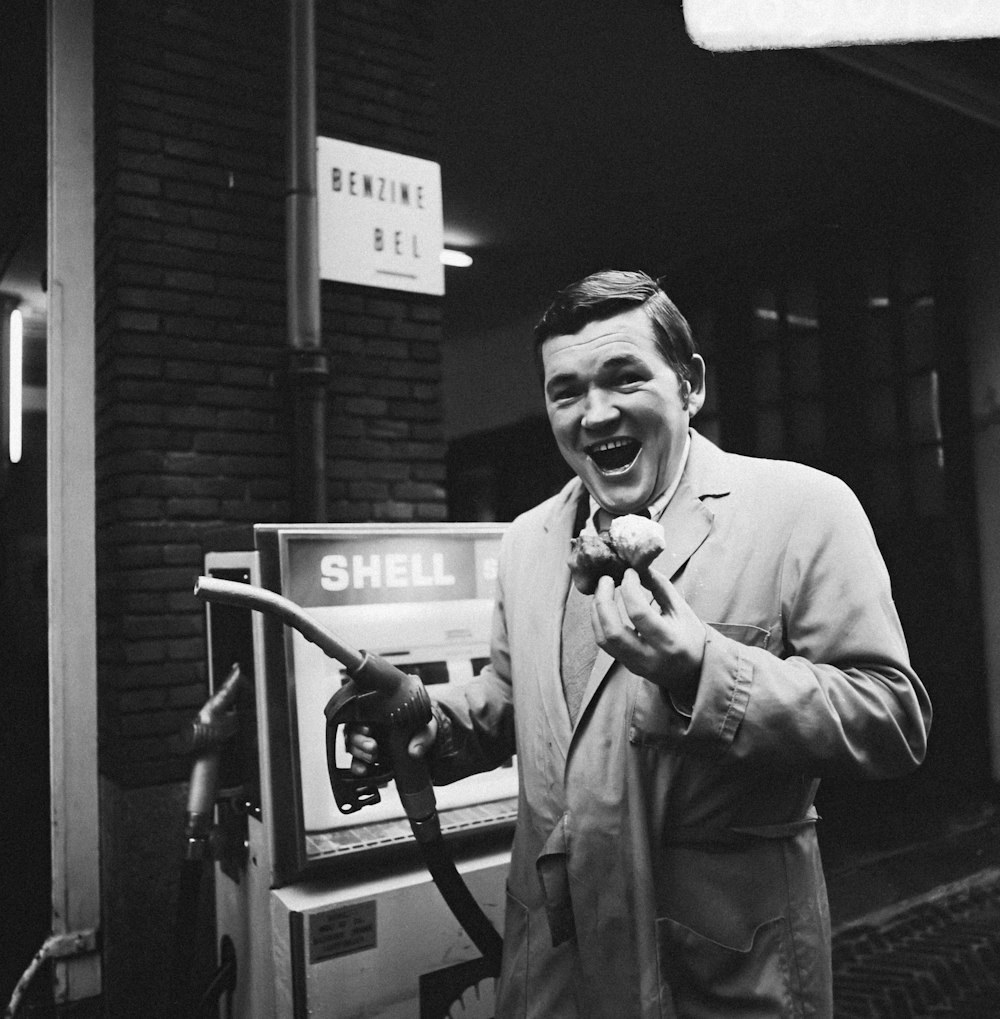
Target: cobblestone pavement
938	956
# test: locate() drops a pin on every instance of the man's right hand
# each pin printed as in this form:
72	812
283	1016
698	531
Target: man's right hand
364	751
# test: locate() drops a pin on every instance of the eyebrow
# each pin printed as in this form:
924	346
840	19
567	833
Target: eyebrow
608	367
623	361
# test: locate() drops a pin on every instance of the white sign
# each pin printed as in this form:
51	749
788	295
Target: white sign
727	25
381	222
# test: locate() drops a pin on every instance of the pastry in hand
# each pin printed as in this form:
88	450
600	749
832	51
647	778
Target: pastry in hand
637	540
632	541
590	558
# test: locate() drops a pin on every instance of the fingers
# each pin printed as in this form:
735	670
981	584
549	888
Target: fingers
361	746
364	750
620	620
662	641
614	633
635	599
671	629
358	742
423	740
603	611
636	586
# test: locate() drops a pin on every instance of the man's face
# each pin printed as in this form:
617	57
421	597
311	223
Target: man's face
618	411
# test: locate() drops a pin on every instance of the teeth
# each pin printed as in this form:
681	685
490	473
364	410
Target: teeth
614	456
600	447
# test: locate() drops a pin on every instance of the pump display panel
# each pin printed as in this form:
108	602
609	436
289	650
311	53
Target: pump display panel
420	596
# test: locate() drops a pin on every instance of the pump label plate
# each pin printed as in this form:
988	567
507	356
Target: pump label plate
342	931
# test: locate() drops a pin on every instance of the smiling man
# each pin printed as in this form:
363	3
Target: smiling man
671	731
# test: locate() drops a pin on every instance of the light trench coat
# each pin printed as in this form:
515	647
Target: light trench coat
665	861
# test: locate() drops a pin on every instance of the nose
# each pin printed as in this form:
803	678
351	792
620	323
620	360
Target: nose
599	410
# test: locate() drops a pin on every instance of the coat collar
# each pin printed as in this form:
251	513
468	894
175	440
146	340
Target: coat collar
708	472
687	520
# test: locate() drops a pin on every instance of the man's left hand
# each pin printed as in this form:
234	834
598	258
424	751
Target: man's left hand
663	642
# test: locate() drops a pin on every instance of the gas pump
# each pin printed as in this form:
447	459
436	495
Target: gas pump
333	909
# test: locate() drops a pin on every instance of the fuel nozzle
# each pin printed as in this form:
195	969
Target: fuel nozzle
397	706
213	726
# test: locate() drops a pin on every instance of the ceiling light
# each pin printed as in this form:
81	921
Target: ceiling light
458	259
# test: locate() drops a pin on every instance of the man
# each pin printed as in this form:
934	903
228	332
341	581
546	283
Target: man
670	741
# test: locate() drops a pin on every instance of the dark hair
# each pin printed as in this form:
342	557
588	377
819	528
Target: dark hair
611	292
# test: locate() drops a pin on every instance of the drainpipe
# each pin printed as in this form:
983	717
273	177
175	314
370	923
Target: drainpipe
308	367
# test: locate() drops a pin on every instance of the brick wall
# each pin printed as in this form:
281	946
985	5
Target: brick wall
193	390
385	449
190	320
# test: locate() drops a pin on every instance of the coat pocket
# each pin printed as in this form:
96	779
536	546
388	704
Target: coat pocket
655	717
724	933
744	633
744	978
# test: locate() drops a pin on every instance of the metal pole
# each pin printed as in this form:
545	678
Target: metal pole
308	367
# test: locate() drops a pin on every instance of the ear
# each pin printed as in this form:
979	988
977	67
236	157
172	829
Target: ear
693	391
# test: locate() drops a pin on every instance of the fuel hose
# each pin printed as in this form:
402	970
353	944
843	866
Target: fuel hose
455	892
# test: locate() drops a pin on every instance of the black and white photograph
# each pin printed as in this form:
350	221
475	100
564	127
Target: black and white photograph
500	509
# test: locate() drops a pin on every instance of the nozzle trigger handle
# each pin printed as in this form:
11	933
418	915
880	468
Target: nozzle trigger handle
352	792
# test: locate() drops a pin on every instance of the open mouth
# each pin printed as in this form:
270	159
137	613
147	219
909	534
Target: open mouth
614	455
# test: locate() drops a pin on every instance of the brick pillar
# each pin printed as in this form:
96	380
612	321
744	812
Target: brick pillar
193	411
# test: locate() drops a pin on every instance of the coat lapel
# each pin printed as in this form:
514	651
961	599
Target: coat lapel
552	571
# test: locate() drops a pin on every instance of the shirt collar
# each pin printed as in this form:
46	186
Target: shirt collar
655	508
